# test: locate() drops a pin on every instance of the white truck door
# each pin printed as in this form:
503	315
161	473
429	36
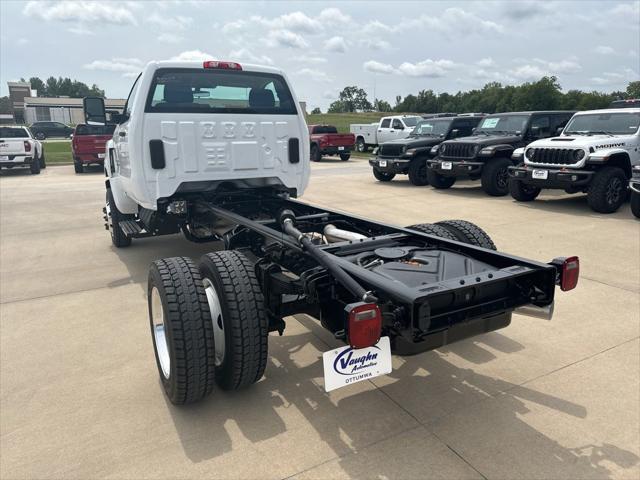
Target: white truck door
384	130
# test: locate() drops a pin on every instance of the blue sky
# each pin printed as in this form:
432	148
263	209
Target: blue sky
392	48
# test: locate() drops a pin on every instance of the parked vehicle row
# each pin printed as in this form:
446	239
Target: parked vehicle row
521	153
18	149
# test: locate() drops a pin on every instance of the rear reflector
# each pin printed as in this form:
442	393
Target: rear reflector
570	273
27	146
364	325
222	65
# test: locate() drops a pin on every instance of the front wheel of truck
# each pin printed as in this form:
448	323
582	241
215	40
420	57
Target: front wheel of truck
181	329
383	176
113	217
418	172
345	156
522	192
238	318
439	181
608	190
635	204
495	177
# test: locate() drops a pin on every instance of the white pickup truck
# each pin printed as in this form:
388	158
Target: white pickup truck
18	148
387	129
595	154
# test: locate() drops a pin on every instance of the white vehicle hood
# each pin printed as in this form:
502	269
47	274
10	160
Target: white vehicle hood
589	143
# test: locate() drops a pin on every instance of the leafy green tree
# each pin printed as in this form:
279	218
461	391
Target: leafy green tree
5	105
64	87
633	89
354	99
381	105
316	111
337	107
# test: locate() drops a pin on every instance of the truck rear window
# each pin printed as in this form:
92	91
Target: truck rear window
219	91
8	132
325	129
94	130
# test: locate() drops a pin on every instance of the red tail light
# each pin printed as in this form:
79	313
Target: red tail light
222	65
365	324
27	146
568	269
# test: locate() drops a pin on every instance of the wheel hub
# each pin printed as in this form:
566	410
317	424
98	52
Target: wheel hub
503	178
217	321
160	333
614	191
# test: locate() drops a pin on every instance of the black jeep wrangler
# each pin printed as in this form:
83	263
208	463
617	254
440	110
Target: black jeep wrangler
409	155
487	154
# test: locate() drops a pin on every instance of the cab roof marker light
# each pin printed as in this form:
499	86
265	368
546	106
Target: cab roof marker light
221	65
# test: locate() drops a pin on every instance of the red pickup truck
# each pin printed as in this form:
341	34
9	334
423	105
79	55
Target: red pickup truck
88	144
325	140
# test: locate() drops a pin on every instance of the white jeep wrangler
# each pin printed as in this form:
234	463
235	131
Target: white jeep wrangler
594	154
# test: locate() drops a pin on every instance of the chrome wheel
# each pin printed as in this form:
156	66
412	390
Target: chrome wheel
160	333
216	318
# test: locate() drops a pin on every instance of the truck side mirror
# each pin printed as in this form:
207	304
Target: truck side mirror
559	131
473	131
454	133
534	132
94	112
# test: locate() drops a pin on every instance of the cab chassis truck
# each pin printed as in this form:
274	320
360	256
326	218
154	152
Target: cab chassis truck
418	287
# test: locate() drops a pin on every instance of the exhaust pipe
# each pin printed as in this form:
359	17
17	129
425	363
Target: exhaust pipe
335	234
538	312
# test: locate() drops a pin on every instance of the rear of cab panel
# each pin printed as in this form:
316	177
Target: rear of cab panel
213	146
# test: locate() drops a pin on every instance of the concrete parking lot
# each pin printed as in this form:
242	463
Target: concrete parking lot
80	395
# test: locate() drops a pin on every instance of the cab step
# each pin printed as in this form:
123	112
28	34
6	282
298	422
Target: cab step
130	228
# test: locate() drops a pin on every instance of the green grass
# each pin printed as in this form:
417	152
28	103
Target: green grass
342	120
57	152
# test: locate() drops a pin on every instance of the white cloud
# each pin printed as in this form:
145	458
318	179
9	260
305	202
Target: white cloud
615	78
22	41
486	62
627	10
604	50
427	68
170	23
336	44
563	66
84	11
296	22
122	65
528	72
309	59
192	56
376	27
377	67
170	38
333	16
245	54
80	30
375	44
538	68
311	74
331	94
286	38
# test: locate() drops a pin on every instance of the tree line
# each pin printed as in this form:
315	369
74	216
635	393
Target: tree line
55	87
545	94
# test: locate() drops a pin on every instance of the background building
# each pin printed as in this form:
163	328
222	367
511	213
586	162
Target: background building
18	91
65	110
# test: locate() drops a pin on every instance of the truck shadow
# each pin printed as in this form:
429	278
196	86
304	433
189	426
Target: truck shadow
272	415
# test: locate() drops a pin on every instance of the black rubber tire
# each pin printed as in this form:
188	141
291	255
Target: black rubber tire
188	329
43	163
418	172
361	146
35	165
495	177
433	229
345	156
316	156
118	238
635	204
246	326
40	135
601	198
383	176
468	232
78	167
439	181
523	192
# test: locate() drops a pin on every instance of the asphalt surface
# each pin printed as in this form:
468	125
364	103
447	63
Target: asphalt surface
80	395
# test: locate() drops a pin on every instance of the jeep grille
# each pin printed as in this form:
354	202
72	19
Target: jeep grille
459	150
390	150
556	156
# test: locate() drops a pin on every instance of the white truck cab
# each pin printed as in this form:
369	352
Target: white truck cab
190	126
387	129
595	154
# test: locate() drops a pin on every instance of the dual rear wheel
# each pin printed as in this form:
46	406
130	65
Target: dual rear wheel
208	324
